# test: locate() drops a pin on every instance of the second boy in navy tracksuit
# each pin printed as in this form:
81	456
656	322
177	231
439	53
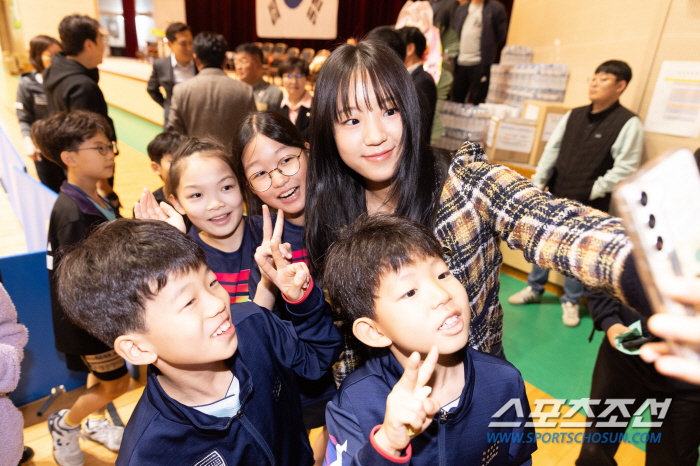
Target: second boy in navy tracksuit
387	277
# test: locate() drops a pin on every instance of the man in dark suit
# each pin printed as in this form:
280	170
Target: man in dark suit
174	69
211	104
415	47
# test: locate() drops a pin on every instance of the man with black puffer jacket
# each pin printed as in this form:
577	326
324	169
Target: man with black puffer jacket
71	81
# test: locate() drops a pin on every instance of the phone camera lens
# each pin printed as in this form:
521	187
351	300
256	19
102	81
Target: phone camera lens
652	221
644	199
659	243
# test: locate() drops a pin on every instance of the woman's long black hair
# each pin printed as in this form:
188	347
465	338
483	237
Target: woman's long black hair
266	123
335	194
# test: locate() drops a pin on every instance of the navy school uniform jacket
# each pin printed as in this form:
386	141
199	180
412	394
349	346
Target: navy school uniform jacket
267	429
457	438
311	391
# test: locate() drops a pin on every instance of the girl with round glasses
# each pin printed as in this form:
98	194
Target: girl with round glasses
270	155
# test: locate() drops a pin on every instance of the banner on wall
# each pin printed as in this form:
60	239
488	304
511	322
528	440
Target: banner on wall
297	19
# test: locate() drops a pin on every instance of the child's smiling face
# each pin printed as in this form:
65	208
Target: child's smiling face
267	161
423	305
209	195
189	320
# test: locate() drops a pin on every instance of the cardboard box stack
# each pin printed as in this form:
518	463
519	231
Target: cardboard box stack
462	122
546	115
510	139
516	79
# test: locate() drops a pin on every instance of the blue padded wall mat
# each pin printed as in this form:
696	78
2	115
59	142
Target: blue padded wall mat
27	282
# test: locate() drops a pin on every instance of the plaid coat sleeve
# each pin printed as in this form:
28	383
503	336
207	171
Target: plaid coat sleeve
483	203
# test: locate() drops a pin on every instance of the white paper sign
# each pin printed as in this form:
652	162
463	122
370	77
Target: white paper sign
531	112
550	122
296	19
517	138
675	105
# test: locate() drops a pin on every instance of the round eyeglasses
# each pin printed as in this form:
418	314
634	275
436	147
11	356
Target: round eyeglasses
103	149
287	166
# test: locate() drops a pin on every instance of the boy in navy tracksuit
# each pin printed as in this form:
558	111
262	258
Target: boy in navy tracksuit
387	277
221	385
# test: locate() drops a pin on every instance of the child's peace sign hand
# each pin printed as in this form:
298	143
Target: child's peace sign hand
264	249
291	279
409	411
147	208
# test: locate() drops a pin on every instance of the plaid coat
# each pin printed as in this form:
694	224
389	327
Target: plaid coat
484	203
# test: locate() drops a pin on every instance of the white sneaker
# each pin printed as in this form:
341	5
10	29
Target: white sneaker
525	296
570	314
104	432
66	448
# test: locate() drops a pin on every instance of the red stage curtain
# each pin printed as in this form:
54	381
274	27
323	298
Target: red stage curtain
235	19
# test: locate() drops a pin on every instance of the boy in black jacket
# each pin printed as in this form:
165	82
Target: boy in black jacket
71	80
80	142
221	386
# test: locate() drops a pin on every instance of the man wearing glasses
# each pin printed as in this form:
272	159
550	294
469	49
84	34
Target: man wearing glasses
172	70
591	149
248	63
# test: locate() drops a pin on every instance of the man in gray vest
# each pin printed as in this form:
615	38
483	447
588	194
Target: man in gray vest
591	149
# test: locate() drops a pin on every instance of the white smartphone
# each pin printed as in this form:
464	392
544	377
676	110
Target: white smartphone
660	208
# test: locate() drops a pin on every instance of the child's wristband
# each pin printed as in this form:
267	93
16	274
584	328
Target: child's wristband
396	459
306	293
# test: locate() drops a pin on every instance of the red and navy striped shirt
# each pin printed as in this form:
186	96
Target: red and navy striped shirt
232	269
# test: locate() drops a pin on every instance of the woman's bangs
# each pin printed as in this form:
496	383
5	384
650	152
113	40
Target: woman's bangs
369	78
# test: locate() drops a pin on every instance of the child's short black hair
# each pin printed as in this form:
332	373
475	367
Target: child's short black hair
412	35
66	131
366	251
620	69
206	147
105	281
390	36
167	142
74	30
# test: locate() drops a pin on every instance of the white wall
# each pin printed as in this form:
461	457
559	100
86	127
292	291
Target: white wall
43	16
168	11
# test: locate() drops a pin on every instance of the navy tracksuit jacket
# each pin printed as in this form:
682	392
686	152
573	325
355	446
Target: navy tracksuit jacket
268	428
460	437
